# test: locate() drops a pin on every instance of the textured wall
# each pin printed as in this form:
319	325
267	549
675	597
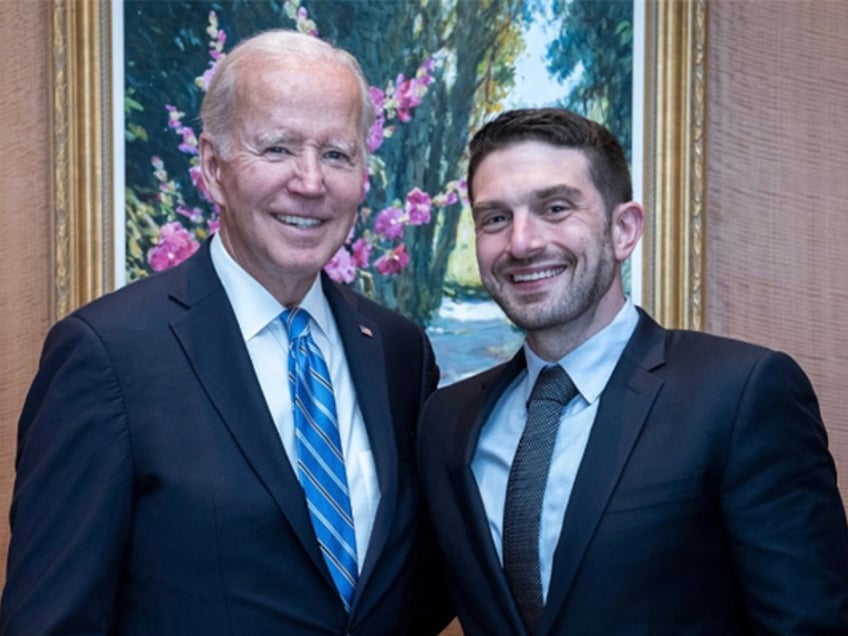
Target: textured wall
24	211
777	180
777	186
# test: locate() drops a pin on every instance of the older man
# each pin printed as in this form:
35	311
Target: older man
227	448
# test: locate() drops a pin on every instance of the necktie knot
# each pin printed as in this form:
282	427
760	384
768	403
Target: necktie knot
296	321
553	384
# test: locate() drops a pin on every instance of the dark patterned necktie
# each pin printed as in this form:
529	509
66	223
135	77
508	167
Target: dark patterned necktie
525	490
320	463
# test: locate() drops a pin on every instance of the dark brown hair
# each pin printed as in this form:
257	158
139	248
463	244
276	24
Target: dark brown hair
608	167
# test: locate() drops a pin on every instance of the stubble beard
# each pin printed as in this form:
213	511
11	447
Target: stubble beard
574	305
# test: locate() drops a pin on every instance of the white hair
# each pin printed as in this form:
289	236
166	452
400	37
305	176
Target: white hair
218	106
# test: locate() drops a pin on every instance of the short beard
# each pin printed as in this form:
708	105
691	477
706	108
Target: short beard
578	305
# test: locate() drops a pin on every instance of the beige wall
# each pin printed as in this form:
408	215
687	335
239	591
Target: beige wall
24	204
777	187
777	180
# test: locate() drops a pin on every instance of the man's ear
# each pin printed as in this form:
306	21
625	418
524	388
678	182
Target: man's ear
628	220
210	169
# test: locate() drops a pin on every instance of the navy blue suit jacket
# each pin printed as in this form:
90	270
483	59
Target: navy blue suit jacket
153	495
706	502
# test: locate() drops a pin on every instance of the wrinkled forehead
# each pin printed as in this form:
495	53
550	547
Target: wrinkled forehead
268	82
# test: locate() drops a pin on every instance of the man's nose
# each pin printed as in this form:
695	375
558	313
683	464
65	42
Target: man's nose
527	235
308	177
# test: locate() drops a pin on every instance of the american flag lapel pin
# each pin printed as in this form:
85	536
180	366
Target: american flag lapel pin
365	331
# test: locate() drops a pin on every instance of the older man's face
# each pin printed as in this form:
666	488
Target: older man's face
289	188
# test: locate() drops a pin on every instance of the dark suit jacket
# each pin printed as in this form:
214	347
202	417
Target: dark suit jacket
153	494
706	501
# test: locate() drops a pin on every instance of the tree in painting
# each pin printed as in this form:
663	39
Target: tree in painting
439	68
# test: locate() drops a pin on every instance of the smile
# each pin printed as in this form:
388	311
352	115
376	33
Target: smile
297	221
534	276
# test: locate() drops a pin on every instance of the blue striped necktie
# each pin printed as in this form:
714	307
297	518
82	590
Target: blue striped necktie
320	463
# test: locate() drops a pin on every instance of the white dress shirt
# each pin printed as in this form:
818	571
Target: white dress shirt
258	316
590	366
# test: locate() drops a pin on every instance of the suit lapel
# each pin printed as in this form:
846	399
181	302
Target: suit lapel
622	412
363	345
209	334
469	425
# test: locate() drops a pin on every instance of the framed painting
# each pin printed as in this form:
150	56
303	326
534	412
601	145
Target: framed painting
123	155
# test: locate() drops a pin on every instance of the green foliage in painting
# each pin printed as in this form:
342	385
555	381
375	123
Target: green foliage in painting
596	43
438	68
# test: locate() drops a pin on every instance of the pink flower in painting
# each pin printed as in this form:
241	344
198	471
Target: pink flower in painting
213	224
198	182
205	80
158	168
375	135
393	261
454	191
195	215
341	267
408	95
418	207
361	253
189	144
174	117
378	97
218	38
389	223
304	24
175	245
217	45
445	199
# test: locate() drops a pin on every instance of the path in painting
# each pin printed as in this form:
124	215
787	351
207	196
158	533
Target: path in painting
470	336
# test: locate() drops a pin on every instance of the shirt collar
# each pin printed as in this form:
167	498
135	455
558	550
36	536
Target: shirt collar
255	307
591	364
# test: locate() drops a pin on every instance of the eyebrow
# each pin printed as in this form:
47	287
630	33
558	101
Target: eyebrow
559	190
274	137
286	137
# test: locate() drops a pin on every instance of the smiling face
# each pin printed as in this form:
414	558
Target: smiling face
548	251
291	181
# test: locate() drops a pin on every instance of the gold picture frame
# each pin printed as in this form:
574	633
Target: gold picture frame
673	249
81	131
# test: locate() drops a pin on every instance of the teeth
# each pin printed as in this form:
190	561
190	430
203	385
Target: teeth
545	273
299	221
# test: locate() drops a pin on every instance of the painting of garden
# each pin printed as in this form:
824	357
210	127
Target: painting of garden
438	70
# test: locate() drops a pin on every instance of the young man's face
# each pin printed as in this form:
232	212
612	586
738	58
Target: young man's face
544	240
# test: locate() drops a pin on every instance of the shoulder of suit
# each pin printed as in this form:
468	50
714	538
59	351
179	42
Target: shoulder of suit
371	309
141	300
712	351
474	382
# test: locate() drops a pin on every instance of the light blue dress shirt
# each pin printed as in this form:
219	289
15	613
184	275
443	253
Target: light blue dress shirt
258	313
590	366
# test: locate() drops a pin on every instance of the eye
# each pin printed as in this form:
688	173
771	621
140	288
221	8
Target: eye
492	221
557	209
334	155
277	150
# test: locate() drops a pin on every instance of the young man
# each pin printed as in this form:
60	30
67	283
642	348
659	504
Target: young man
178	472
650	481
